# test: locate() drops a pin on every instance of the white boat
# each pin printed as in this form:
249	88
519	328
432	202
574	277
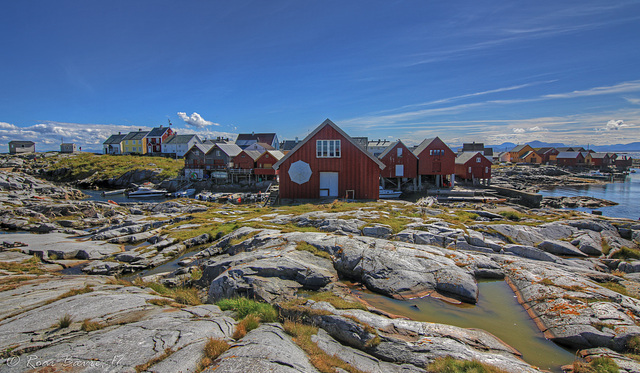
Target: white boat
145	192
388	193
184	193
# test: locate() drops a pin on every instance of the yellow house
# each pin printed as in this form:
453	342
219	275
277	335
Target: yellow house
517	152
135	143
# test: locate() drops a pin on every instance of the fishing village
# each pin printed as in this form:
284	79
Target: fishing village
320	186
322	254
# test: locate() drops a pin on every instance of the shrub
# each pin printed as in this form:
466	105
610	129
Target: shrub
511	215
65	321
196	274
215	347
244	307
186	296
246	325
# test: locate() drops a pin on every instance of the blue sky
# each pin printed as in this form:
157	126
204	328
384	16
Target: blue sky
490	71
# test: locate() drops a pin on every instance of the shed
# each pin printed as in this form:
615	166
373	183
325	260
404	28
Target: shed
336	164
246	159
68	148
265	162
19	147
570	159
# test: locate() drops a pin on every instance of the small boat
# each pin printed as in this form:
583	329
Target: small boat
184	193
145	192
113	192
388	193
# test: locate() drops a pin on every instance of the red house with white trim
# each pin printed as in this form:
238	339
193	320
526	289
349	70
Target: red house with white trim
435	161
329	163
265	162
473	166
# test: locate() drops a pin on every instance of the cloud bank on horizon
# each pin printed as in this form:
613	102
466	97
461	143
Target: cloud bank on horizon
49	135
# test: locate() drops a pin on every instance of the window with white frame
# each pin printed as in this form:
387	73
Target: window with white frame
478	160
399	152
469	169
328	148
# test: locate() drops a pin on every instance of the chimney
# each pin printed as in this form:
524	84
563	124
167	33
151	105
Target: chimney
296	139
119	133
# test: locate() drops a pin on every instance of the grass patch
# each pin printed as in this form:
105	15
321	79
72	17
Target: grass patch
118	281
215	347
334	300
182	295
247	324
602	325
618	288
606	248
31	266
89	326
511	215
12	282
450	365
64	321
301	335
83	165
597	365
626	253
304	246
144	367
244	307
196	274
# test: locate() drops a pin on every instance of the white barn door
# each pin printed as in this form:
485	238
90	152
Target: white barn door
328	184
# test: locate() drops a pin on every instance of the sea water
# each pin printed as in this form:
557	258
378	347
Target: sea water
626	193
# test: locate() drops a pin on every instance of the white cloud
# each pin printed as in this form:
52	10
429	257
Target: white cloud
633	100
613	125
519	130
537	129
195	120
4	125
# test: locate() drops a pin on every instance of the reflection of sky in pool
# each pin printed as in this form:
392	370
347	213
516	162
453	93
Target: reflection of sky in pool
497	312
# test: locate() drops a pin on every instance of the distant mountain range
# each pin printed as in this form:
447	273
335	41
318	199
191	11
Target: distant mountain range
506	146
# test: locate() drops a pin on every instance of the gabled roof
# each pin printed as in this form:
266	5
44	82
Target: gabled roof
229	149
525	155
253	154
568	155
277	154
599	155
390	148
464	157
139	135
288	144
248	138
519	148
328	122
181	139
158	131
204	148
114	139
544	150
425	144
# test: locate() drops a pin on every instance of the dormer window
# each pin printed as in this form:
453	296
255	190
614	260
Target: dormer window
328	148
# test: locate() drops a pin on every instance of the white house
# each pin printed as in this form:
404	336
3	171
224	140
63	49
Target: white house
177	145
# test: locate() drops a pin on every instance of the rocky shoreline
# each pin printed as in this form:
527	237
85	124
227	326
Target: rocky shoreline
576	275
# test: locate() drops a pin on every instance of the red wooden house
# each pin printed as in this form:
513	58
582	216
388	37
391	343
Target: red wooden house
569	159
435	161
265	162
400	164
156	137
473	166
246	160
329	163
